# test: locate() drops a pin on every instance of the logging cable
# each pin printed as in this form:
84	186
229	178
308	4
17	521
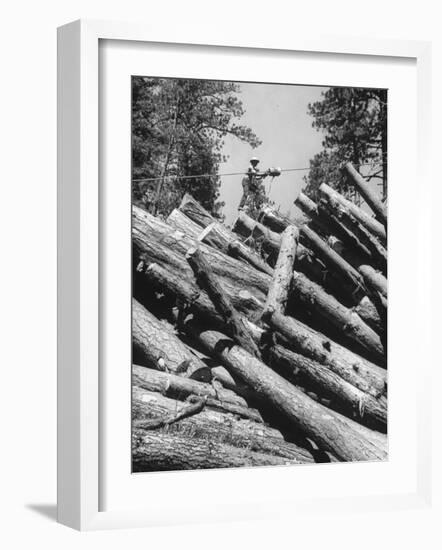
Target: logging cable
160	178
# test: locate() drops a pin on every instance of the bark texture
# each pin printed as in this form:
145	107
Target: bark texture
180	221
344	438
282	276
367	191
193	210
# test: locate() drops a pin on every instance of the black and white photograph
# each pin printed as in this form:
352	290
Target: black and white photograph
259	274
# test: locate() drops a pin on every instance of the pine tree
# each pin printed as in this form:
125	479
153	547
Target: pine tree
178	129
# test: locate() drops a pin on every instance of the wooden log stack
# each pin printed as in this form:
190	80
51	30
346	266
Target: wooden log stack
264	344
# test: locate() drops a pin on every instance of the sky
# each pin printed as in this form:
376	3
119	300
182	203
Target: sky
277	113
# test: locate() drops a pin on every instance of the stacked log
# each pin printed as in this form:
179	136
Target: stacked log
264	344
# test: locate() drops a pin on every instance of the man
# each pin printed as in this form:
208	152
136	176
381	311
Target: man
251	184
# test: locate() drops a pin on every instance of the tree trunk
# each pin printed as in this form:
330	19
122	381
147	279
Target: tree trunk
372	243
193	210
215	426
351	367
279	289
157	346
220	237
301	369
180	221
157	242
334	261
365	219
313	298
274	220
374	279
368	193
162	451
369	314
355	251
177	387
208	282
331	431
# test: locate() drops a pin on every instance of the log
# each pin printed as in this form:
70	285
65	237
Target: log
177	387
365	219
208	282
314	299
282	276
353	368
157	346
203	307
162	451
329	224
374	279
367	191
155	241
369	314
306	261
193	210
370	241
299	368
213	394
220	237
180	221
274	220
331	431
216	426
334	261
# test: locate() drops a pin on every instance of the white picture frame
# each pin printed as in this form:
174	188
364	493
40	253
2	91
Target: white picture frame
79	460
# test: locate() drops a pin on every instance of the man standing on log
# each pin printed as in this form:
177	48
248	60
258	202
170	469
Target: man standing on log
253	190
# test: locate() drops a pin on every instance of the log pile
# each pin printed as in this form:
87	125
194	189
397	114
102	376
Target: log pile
264	344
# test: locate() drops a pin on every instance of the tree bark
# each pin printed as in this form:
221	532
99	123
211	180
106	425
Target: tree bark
208	282
177	387
157	346
334	261
368	193
314	299
163	451
216	426
374	279
193	210
220	237
331	431
297	368
274	220
353	368
365	219
155	241
279	289
180	221
372	243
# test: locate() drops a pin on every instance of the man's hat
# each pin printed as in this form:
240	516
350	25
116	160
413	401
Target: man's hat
254	159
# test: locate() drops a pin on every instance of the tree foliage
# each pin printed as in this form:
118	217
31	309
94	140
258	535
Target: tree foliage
354	123
178	130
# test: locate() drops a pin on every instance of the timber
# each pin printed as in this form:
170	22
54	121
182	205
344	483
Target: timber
216	426
180	221
208	282
157	346
220	237
374	279
163	451
193	210
314	299
365	219
360	372
370	241
367	192
344	438
278	293
333	260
